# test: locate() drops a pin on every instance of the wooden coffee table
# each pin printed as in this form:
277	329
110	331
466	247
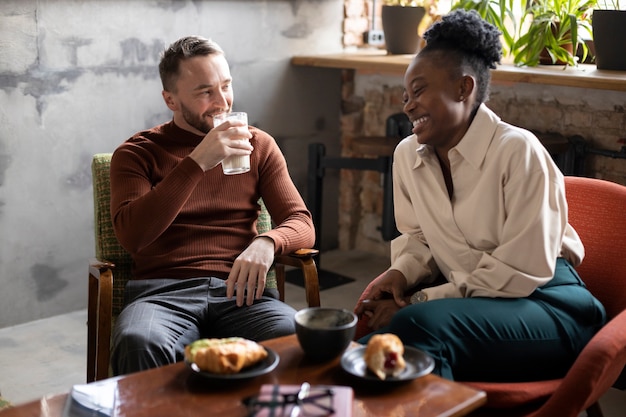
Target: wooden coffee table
176	390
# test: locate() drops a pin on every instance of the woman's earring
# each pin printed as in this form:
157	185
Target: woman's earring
461	98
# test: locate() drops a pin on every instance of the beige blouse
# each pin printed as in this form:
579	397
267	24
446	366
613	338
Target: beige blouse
503	229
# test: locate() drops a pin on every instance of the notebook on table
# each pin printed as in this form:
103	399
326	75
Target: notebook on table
301	400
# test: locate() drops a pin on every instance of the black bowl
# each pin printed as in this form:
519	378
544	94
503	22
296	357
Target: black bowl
324	333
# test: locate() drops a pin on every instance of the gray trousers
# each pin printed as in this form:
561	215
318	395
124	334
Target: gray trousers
162	316
504	339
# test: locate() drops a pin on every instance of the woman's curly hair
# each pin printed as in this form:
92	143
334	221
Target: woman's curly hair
470	43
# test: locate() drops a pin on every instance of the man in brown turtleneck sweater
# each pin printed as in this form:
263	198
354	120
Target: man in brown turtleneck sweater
199	265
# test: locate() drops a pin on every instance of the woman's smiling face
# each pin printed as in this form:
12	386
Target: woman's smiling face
434	101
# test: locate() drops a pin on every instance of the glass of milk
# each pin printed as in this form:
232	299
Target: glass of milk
235	164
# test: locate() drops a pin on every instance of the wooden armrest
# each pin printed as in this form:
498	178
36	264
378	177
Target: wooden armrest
99	314
303	259
304	253
297	258
99	265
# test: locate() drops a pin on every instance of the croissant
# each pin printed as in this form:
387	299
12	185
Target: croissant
384	355
224	356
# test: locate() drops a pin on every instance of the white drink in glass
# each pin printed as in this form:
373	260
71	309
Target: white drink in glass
235	164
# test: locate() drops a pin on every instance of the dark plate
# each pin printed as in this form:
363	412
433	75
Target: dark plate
418	364
266	365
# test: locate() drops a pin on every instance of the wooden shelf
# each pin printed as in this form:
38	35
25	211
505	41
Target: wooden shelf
583	76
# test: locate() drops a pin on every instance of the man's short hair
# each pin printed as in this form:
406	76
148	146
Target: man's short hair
182	49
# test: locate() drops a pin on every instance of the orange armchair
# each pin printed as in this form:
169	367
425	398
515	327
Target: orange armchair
597	210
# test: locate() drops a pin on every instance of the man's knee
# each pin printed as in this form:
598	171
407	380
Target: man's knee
134	350
272	319
283	326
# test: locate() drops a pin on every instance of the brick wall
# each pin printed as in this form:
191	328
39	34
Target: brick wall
364	112
368	99
356	21
358	18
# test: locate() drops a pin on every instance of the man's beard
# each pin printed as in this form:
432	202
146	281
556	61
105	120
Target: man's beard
198	122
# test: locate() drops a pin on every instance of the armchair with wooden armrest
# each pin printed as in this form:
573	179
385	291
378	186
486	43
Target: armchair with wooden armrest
110	270
596	210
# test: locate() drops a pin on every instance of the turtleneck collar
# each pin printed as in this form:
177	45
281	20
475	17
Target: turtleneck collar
180	136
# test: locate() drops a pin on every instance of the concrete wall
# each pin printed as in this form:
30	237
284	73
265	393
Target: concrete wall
78	77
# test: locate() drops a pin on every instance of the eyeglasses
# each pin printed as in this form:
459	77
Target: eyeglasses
308	401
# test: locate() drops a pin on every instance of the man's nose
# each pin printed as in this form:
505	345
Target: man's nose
221	100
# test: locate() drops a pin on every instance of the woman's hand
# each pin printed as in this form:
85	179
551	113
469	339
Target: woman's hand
392	282
377	305
379	312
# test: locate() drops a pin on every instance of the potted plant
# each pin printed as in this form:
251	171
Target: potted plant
609	32
555	29
400	20
500	13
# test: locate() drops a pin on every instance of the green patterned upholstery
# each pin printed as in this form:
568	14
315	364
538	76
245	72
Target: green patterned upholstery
263	224
4	404
107	246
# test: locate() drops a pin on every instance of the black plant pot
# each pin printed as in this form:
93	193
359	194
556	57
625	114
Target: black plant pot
400	25
609	39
